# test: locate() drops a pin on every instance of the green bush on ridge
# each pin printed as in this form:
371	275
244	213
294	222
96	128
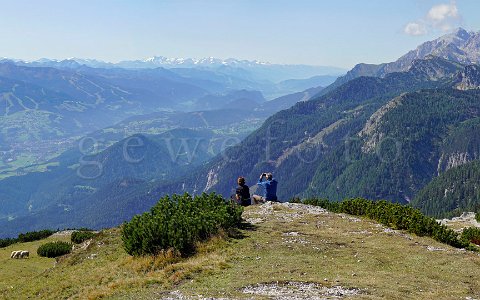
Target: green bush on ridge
179	222
80	236
54	249
7	242
472	235
396	216
34	235
26	237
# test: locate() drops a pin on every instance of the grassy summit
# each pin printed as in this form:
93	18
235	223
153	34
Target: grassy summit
289	250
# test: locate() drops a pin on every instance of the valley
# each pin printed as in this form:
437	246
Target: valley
399	127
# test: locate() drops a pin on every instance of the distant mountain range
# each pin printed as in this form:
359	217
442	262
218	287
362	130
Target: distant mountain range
251	70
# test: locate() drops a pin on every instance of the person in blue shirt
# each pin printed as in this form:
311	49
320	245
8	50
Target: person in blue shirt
269	185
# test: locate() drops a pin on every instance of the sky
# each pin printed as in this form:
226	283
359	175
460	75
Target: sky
338	33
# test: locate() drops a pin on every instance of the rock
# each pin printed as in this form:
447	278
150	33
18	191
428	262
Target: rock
298	291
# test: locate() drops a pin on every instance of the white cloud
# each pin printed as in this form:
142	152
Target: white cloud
442	17
415	28
442	12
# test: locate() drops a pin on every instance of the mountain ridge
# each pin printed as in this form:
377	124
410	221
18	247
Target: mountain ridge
459	46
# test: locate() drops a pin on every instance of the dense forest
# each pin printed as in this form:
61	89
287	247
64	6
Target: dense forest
453	192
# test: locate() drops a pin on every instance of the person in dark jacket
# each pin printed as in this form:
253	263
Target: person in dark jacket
242	193
269	188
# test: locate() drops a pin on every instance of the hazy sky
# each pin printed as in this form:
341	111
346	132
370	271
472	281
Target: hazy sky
334	32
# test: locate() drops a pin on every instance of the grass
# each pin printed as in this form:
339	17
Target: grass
104	269
13	270
329	249
346	252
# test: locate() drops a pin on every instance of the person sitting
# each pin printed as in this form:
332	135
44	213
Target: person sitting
242	194
269	188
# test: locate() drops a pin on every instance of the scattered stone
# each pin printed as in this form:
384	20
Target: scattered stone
310	209
431	248
301	241
82	246
291	234
298	291
177	295
283	211
467	219
63	233
254	221
398	233
350	218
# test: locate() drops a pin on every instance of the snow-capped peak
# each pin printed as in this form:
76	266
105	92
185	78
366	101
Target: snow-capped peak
207	61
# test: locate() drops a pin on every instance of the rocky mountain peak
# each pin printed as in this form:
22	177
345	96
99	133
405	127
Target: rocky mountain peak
434	68
459	46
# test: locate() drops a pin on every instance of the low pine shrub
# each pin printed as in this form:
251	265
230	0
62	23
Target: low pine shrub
79	237
472	235
34	235
477	216
7	242
323	203
179	222
54	249
26	237
396	216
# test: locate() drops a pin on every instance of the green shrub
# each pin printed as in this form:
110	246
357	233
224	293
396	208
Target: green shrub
477	216
79	237
396	216
295	200
54	249
472	235
323	203
179	222
26	237
7	242
34	235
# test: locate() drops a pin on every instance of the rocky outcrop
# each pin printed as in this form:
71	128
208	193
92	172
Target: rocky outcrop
469	78
370	132
434	68
452	160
